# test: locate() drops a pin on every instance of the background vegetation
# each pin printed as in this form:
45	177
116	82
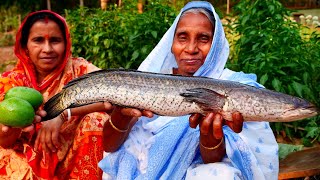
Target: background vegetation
284	55
119	37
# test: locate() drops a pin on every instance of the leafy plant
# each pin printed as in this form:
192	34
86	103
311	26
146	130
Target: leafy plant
283	56
9	19
119	37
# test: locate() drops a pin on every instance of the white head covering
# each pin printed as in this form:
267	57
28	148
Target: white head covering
161	57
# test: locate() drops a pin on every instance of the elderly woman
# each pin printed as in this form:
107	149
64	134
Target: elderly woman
66	147
166	147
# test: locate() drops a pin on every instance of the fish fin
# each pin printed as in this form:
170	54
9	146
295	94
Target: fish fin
95	73
207	99
54	106
85	76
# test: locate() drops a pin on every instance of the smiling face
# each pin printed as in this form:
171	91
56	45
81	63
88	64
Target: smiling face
192	42
46	46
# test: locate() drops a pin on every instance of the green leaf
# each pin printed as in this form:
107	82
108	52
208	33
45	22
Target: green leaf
281	72
107	43
135	55
312	132
264	79
286	149
154	34
297	88
276	84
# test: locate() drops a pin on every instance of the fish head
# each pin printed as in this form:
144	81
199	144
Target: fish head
300	109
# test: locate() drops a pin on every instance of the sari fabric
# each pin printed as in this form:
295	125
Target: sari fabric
167	148
81	137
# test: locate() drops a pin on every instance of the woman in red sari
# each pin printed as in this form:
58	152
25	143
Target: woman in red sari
59	148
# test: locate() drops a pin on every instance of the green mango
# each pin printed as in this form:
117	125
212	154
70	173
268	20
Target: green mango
16	112
31	95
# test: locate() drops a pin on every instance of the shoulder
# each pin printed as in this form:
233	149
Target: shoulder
244	78
83	66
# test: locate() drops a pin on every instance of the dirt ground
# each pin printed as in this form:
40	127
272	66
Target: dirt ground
7	58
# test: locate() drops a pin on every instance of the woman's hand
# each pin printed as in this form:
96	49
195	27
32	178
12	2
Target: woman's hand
213	123
48	135
123	117
117	129
212	146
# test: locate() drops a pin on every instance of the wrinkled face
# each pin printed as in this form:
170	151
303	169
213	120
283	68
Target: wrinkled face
192	42
46	46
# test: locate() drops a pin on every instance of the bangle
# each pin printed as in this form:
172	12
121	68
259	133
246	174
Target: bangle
115	128
63	117
214	147
69	114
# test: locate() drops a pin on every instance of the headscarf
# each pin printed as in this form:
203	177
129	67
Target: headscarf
24	73
167	148
25	63
161	57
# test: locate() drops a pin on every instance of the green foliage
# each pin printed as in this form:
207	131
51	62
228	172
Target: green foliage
281	53
118	37
286	149
9	19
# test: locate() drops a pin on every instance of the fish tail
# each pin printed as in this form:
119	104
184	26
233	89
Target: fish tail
54	106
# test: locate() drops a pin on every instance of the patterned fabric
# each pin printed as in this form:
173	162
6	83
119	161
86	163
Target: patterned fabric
81	137
167	148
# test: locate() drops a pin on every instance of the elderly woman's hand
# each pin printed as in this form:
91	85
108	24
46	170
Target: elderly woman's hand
213	123
125	116
116	131
212	146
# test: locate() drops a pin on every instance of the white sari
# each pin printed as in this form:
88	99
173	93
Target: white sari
167	148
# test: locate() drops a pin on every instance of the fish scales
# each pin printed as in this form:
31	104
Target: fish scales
137	91
174	95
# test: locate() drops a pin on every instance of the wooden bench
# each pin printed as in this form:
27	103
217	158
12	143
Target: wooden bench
304	163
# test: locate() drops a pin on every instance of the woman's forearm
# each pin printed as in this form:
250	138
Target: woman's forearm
115	132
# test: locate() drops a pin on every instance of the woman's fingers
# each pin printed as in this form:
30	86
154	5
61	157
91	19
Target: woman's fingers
194	120
37	141
108	106
237	122
131	112
217	126
55	140
28	128
147	113
206	123
41	113
48	139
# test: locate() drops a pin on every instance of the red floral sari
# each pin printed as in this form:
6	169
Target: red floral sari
81	136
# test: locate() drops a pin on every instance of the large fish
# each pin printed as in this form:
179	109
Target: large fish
174	95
